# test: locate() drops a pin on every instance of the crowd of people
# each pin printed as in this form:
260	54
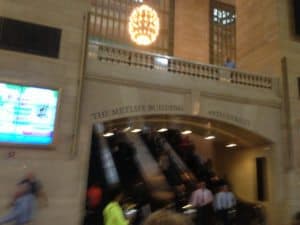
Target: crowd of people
210	197
223	204
212	209
209	205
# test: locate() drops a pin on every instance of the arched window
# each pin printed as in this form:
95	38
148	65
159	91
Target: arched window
222	32
109	23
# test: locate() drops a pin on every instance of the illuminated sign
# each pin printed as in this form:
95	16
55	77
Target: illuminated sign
27	114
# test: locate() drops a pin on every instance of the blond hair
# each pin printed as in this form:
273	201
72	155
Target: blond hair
167	217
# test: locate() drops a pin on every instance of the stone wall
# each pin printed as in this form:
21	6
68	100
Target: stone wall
191	30
58	173
64	178
258	36
290	50
238	164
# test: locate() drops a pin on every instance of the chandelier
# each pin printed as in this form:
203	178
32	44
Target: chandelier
143	25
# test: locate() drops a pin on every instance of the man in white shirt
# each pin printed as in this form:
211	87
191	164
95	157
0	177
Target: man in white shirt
223	204
202	199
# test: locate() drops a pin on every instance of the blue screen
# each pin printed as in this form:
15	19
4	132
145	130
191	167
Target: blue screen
27	114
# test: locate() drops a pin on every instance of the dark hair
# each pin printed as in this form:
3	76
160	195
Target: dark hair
113	192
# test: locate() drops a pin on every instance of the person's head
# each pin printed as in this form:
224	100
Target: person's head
201	185
140	193
115	194
166	217
30	175
214	177
180	188
225	188
22	189
227	59
96	184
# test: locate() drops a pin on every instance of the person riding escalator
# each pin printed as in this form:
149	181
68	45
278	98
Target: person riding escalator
177	178
128	170
169	169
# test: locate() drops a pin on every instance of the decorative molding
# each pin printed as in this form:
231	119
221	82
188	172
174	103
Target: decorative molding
139	84
288	134
244	100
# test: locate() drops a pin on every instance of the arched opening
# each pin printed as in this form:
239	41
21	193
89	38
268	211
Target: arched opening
155	157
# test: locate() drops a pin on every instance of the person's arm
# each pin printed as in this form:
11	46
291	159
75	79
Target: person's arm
215	203
43	199
119	219
218	202
13	214
117	216
210	197
233	199
193	200
41	195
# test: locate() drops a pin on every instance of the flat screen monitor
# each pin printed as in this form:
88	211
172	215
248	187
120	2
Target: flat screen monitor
27	114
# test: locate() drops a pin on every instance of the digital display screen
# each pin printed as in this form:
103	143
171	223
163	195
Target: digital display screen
27	114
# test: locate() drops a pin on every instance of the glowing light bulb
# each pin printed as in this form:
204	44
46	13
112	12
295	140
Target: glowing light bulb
143	25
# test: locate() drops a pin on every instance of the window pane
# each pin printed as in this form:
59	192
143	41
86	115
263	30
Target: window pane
222	33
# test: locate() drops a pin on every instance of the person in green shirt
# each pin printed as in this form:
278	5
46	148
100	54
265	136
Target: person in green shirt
113	213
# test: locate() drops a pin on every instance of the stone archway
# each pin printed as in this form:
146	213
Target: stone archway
258	122
237	164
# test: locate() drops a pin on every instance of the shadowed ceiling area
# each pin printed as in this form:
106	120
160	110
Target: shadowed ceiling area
224	133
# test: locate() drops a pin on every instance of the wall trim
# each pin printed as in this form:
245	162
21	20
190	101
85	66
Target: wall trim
237	99
133	83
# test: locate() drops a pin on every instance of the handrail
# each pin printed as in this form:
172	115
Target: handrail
150	61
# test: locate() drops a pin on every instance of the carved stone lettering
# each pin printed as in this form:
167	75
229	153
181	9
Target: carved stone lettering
229	117
118	111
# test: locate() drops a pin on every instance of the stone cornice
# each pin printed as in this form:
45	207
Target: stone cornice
274	103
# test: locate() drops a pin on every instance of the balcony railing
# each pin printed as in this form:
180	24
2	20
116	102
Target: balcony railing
149	61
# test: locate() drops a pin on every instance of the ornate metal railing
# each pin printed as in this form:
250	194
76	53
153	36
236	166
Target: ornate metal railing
149	61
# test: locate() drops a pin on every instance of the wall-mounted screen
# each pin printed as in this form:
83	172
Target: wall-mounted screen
27	114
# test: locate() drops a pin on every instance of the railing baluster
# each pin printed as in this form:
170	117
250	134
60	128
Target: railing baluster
111	54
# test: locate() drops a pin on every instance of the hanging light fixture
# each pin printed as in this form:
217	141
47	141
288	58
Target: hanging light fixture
143	25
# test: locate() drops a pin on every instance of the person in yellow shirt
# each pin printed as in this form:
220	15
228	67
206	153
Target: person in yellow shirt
113	213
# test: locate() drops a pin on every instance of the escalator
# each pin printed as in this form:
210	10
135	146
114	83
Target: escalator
101	176
151	169
124	160
151	172
160	148
179	177
131	178
186	151
246	213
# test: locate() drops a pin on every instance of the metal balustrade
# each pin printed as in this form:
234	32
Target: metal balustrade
149	61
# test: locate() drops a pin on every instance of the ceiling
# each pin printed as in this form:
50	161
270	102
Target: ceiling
225	133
